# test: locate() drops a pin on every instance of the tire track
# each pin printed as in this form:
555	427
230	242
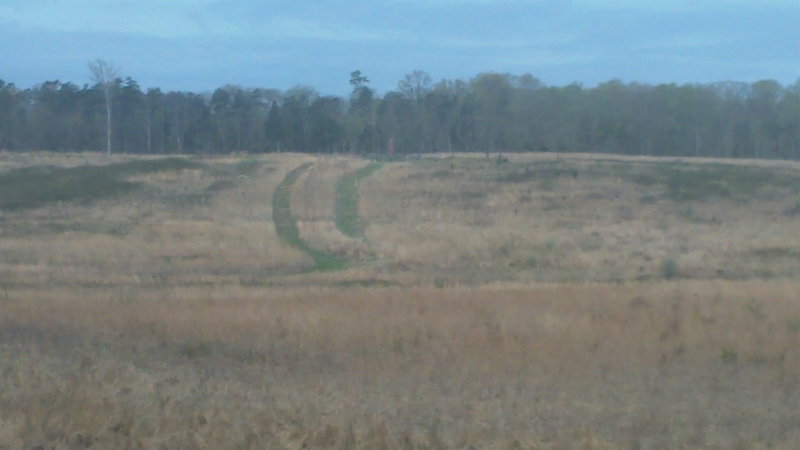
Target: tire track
286	224
346	208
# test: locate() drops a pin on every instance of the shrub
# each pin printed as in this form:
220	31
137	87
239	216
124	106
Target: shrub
793	324
193	350
794	210
669	268
729	356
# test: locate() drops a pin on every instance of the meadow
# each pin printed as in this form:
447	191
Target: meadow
296	301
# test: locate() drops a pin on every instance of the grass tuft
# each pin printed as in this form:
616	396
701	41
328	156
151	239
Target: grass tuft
669	268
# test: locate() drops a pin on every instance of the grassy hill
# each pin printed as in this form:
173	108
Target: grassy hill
547	301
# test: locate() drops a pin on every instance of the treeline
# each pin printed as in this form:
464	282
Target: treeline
489	113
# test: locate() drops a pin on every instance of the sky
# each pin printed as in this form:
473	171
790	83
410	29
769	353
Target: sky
199	45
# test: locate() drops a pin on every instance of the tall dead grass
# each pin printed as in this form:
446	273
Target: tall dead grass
151	322
469	221
174	233
659	365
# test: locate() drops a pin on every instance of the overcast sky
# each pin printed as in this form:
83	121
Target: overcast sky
202	44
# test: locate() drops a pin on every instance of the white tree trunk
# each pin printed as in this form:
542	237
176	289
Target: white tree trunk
108	120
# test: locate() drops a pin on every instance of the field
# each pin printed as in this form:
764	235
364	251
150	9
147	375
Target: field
296	301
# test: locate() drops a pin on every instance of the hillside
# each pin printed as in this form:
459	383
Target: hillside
288	300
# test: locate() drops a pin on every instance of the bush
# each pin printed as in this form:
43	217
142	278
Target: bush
194	350
669	268
794	210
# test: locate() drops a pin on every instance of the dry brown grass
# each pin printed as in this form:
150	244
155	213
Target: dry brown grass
657	365
150	322
162	236
460	221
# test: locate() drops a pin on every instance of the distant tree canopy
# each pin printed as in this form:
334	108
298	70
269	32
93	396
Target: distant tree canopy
490	113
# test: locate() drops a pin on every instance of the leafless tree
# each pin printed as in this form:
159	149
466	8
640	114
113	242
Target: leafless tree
415	85
104	74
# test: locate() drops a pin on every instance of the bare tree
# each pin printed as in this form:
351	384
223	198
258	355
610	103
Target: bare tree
415	85
104	74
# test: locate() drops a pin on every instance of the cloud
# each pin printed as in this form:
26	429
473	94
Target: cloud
542	57
476	2
275	42
470	42
180	19
683	5
91	16
687	41
631	5
292	27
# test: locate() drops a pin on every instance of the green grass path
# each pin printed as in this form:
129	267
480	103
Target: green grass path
286	224
346	208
